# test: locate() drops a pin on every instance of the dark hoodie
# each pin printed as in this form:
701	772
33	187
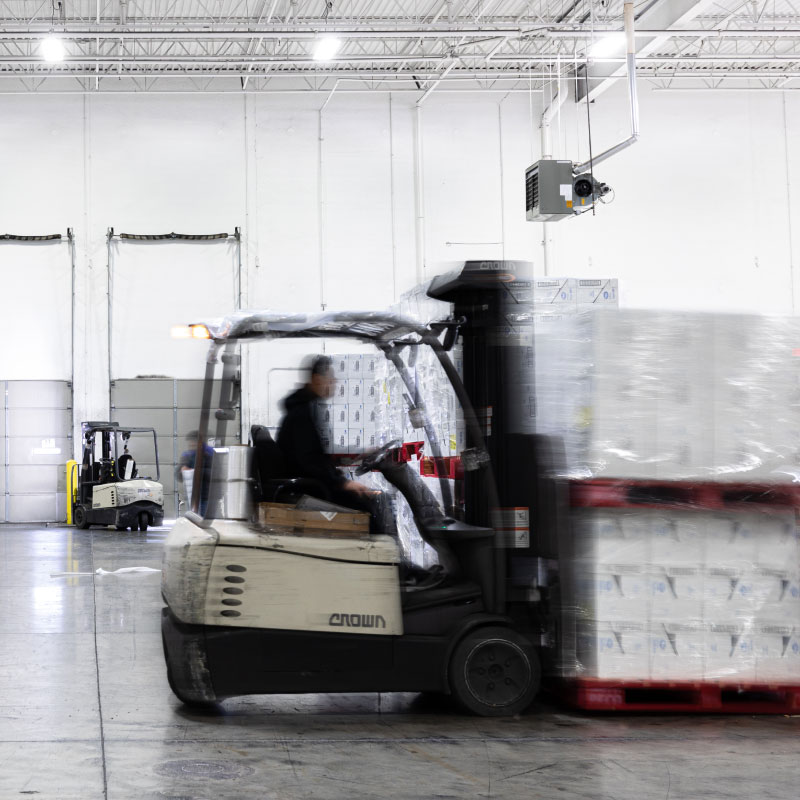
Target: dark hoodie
300	442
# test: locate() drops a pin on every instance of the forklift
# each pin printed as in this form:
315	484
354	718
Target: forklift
249	610
109	489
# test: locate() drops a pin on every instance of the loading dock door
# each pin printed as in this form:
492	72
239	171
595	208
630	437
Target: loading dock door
36	437
172	407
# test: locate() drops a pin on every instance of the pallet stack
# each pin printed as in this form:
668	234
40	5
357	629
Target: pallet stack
681	575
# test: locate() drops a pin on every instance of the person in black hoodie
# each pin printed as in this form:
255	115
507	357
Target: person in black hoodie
301	445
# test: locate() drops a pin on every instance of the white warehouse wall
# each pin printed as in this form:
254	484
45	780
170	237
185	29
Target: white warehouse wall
330	204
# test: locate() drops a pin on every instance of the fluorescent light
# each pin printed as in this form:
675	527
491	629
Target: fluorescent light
327	48
608	45
52	49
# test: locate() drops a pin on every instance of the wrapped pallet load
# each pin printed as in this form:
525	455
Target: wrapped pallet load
682	434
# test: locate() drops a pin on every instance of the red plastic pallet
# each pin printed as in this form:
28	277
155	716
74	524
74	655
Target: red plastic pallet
700	698
409	450
672	494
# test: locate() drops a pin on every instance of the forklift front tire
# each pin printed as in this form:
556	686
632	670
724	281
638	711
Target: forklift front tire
494	672
143	520
80	518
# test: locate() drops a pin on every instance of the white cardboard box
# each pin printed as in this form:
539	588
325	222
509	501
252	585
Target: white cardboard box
598	292
675	595
340	368
341	440
355	415
677	652
340	391
371	437
777	654
609	649
340	415
608	536
373	391
355	439
614	596
678	538
355	365
729	655
355	390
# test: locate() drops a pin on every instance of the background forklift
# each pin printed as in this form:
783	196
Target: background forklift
249	610
109	489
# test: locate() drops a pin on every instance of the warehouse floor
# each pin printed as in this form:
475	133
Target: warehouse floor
85	712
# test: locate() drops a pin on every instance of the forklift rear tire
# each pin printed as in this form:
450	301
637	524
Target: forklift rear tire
79	517
198	704
142	521
494	672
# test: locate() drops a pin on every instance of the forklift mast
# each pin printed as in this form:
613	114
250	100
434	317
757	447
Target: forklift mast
495	298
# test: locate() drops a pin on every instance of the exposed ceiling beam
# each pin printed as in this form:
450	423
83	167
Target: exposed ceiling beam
660	15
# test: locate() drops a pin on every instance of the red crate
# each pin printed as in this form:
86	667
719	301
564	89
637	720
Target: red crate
677	494
447	467
409	450
702	698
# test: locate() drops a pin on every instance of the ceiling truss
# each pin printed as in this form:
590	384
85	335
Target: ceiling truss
418	47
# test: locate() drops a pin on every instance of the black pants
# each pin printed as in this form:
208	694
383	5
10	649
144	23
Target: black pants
377	505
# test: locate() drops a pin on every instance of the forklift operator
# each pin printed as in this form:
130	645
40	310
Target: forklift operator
301	445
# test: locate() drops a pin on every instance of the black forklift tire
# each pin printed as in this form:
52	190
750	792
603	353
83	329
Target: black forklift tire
494	672
143	519
80	517
198	704
121	527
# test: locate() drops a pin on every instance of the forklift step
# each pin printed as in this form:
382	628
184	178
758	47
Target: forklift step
702	698
682	494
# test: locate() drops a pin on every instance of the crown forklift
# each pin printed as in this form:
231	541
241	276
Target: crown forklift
249	610
109	489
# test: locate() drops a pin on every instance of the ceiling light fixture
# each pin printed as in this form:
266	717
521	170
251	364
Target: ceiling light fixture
608	46
326	48
52	49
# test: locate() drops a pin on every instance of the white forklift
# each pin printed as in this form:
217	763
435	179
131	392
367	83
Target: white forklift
109	489
251	609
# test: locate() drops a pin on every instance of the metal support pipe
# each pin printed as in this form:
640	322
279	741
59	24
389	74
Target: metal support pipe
419	194
633	98
71	245
109	295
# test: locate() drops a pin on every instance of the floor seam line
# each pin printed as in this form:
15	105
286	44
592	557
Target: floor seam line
97	672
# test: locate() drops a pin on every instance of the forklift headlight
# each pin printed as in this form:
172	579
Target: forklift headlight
190	332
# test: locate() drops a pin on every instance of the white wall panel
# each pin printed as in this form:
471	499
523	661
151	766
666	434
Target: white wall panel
357	205
287	212
36	291
461	156
163	164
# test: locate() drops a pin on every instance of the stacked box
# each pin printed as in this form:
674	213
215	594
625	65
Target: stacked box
715	594
643	395
366	408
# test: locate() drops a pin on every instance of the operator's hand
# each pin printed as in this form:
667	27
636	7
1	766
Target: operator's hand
358	488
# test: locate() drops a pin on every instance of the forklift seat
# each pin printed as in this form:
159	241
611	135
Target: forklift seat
126	467
269	466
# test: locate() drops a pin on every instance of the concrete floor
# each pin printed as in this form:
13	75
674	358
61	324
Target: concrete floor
85	712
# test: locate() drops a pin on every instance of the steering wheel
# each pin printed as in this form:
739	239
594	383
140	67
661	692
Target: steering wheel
371	460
